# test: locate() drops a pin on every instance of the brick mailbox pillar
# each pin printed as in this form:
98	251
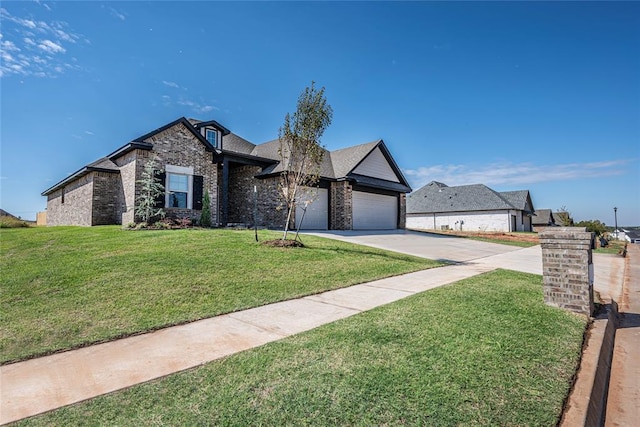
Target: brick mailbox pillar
567	268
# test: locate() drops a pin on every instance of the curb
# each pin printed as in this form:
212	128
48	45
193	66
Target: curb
587	401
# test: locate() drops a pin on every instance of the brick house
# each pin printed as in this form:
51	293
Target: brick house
360	187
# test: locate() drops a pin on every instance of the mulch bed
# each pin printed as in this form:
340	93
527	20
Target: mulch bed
279	243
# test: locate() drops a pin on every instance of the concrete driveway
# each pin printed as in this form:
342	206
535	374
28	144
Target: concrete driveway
609	269
424	245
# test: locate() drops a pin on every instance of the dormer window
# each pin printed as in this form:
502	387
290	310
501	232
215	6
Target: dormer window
212	137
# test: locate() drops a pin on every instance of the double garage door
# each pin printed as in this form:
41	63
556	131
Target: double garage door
370	211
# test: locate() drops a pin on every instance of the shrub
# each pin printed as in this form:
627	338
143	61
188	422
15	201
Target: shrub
12	222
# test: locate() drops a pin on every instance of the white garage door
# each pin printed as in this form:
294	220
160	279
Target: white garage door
374	211
317	215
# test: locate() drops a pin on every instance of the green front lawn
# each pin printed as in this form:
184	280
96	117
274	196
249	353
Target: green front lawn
483	351
63	287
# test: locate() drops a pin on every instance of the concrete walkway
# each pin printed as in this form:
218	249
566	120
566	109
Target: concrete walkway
39	385
623	402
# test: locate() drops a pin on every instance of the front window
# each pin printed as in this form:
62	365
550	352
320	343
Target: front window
212	137
179	187
178	190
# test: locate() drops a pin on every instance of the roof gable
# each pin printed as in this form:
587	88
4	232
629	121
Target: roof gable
186	123
376	165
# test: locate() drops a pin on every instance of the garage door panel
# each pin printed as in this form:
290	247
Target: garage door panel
317	214
374	211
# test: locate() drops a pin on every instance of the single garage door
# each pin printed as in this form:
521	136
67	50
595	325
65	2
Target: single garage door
374	211
317	215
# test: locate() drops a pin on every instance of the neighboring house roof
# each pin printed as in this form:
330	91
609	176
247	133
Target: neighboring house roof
562	218
519	199
543	217
5	213
437	197
632	235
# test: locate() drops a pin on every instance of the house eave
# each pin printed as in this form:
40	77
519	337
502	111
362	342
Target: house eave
134	145
78	174
378	183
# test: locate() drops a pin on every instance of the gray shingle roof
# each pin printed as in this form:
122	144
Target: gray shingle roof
335	164
543	217
518	199
346	159
437	197
233	142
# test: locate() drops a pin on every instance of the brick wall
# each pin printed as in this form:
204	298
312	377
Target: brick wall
271	211
568	268
128	167
76	208
107	198
340	216
402	210
241	197
178	147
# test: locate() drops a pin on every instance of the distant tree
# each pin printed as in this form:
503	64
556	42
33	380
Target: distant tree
300	150
205	215
150	190
597	227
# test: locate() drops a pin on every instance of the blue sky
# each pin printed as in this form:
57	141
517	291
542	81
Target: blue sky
515	95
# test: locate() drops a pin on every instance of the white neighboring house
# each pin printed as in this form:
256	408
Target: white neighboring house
630	236
437	206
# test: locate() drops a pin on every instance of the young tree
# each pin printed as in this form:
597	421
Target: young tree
205	215
150	190
300	150
563	217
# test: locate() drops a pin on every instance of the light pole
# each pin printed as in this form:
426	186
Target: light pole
615	214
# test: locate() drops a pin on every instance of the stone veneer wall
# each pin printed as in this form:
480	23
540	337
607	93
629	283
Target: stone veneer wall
178	147
340	217
567	268
76	208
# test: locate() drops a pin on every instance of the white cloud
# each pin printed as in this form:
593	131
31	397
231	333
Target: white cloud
8	45
121	16
512	173
42	46
170	84
197	107
51	47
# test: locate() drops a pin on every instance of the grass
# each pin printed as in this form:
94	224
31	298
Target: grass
64	287
520	239
614	247
514	242
483	351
